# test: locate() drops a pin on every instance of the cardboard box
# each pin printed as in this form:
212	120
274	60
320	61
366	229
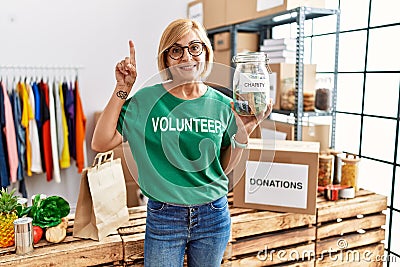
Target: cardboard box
277	176
312	132
244	10
222	72
222	41
246	41
286	70
211	13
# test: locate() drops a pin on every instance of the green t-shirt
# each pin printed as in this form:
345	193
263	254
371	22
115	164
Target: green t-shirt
176	143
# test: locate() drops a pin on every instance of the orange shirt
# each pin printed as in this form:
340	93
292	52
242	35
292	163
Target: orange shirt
80	129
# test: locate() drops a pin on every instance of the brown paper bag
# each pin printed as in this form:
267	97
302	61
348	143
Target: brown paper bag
101	206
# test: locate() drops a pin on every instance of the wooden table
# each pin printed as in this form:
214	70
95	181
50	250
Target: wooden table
259	238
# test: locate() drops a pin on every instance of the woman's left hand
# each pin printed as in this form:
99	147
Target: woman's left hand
247	124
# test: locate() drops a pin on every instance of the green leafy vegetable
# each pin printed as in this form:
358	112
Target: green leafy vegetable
47	212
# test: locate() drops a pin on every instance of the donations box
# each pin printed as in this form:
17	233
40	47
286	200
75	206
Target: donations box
277	175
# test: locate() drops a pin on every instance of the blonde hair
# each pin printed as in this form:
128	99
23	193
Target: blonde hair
175	31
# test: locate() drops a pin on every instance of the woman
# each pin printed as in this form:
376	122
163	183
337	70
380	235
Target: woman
180	134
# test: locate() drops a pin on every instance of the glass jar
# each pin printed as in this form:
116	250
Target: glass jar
337	169
325	170
251	85
350	171
288	94
323	95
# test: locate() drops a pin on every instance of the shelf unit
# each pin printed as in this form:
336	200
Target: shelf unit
264	27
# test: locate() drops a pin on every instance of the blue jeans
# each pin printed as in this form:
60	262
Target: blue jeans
202	231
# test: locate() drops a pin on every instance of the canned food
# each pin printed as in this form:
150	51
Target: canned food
23	232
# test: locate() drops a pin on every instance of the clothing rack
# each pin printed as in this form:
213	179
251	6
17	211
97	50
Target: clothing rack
40	70
44	67
40	89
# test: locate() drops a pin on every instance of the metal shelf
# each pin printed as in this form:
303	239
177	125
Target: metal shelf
305	113
264	26
284	17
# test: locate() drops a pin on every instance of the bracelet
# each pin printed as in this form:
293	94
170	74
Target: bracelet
122	94
236	144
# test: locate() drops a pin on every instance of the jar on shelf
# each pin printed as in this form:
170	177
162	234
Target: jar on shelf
337	169
323	95
350	171
325	169
251	86
288	94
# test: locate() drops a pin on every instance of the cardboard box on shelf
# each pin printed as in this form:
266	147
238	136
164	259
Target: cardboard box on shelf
246	41
277	176
310	132
221	74
211	13
286	70
222	41
244	10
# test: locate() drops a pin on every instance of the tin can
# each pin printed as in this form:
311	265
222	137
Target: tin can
23	232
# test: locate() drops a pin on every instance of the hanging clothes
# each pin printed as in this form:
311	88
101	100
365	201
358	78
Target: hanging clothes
69	106
36	163
36	94
19	133
59	125
4	172
53	136
43	126
9	132
65	159
27	115
80	128
44	115
46	136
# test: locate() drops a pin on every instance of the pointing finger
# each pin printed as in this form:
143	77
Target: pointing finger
132	52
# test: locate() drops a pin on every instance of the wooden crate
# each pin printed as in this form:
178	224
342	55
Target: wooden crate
265	238
259	238
350	227
252	230
133	236
70	252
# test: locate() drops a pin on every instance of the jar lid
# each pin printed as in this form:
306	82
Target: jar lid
351	158
23	220
325	157
250	57
334	152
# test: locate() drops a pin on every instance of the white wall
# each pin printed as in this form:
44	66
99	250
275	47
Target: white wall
93	34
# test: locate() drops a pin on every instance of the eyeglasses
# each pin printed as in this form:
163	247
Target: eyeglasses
176	51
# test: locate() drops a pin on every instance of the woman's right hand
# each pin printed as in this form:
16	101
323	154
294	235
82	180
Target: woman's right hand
125	70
